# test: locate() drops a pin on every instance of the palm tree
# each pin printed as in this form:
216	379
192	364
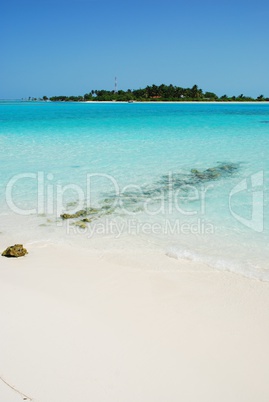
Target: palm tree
195	92
260	98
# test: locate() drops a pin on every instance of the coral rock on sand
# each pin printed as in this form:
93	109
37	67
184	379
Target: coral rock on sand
15	251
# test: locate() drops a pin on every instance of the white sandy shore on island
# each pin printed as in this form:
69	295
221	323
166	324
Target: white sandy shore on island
180	102
85	325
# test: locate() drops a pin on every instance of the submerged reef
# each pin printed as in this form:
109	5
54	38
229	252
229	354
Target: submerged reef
87	215
134	201
215	172
78	214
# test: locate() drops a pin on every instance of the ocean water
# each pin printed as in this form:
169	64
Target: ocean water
189	179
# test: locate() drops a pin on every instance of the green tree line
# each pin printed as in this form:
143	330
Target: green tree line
155	93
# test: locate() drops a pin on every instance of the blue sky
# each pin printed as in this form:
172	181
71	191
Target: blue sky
70	47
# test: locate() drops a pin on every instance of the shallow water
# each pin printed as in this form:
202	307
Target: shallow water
144	167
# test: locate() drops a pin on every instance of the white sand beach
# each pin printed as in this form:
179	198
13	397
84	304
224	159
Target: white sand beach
86	325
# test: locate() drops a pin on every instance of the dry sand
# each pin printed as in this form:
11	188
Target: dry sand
128	326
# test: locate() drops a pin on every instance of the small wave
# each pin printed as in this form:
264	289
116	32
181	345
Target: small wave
243	268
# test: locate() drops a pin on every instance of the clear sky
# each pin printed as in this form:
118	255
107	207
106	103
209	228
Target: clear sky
68	47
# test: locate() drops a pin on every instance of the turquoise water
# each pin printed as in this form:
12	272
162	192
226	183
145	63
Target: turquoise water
144	167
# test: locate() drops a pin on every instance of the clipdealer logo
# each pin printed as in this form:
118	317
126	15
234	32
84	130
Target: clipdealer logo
50	198
253	184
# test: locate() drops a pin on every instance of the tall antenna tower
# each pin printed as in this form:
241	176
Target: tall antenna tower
116	85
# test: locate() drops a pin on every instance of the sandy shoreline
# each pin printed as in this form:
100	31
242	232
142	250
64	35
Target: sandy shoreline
179	102
82	325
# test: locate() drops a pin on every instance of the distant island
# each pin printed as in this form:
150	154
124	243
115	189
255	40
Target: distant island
154	93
